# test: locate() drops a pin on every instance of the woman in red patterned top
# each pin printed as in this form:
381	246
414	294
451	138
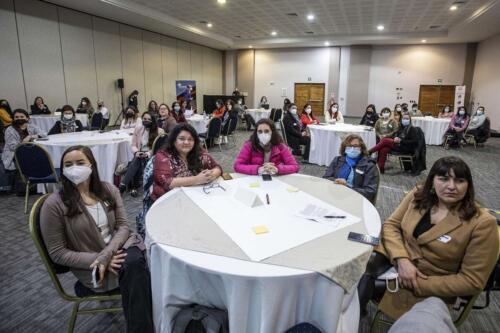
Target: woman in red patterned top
182	162
307	117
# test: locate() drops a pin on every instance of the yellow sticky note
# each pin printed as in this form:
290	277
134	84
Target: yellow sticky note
254	185
260	229
292	189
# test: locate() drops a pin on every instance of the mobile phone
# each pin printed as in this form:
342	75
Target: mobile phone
266	177
42	139
365	239
226	176
95	274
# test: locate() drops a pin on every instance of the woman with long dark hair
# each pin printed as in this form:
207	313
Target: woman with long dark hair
84	227
165	119
446	112
182	162
295	133
307	117
86	107
456	129
153	108
265	153
68	122
440	240
131	118
177	113
39	107
370	117
142	145
333	114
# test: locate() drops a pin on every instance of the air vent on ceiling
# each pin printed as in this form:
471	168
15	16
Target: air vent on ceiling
292	14
237	36
309	32
434	27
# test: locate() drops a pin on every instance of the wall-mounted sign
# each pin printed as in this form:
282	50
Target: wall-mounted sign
459	97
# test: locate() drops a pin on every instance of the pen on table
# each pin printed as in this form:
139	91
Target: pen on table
267	199
334	216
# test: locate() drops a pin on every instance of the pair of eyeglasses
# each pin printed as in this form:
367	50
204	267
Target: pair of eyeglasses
207	188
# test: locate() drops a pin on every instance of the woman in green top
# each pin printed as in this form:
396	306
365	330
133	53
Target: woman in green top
385	127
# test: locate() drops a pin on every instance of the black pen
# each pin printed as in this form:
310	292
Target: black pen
334	217
267	199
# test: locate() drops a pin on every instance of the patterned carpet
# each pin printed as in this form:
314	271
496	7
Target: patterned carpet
29	302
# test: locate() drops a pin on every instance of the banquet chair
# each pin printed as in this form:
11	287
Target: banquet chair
213	132
303	328
158	142
233	123
403	158
54	270
374	201
35	167
96	122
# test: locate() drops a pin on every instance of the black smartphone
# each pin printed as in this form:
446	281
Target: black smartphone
266	177
226	176
365	239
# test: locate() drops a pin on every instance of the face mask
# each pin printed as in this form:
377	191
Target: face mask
461	112
398	109
264	138
19	122
385	115
446	109
68	116
239	102
177	108
334	109
293	110
353	152
84	103
147	123
308	110
229	107
415	109
369	111
130	114
405	122
479	112
77	174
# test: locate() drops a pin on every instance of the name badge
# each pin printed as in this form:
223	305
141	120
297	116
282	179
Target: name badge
361	172
444	239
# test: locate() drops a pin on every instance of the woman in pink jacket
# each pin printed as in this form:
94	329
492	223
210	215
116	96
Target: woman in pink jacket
265	153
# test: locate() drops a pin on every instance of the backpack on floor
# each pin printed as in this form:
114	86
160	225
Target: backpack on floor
196	318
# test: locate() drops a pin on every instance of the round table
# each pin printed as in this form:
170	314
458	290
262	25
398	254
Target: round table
258	114
45	123
433	128
109	148
199	122
259	297
326	140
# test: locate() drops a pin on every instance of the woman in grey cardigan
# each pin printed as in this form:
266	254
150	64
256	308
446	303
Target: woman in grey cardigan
85	228
20	131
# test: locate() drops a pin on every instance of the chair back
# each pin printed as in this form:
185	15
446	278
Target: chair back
52	268
214	128
33	161
96	121
276	115
233	123
283	132
159	142
374	201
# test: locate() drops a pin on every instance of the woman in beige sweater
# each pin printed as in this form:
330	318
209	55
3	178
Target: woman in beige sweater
84	227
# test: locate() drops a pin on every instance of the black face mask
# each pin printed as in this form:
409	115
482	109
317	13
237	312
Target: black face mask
129	114
19	122
147	123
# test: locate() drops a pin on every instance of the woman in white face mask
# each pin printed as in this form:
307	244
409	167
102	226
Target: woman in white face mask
265	153
84	227
68	122
454	136
307	117
385	127
446	112
333	114
295	133
479	126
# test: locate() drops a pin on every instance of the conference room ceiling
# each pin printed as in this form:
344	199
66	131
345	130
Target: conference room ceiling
243	23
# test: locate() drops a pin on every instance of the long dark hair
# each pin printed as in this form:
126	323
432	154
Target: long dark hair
5	105
276	138
371	106
86	100
69	193
153	130
37	97
194	156
426	197
333	115
152	109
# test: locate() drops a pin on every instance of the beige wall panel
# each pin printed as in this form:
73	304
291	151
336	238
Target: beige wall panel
183	60
197	71
133	63
169	68
153	66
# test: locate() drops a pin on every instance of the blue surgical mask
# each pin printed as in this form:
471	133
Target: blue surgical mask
353	152
405	122
461	112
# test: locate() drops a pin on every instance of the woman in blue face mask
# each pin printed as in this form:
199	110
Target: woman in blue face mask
353	168
454	136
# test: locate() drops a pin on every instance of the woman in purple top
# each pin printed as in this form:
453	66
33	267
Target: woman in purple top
456	129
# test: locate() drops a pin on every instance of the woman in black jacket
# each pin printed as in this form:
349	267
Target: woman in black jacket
39	107
295	134
68	122
404	141
370	117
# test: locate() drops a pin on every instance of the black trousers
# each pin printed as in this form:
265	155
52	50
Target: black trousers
304	140
367	291
456	138
134	172
249	121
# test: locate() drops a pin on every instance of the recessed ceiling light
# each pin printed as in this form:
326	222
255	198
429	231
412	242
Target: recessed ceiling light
250	46
380	27
273	33
221	1
424	40
327	43
454	7
209	25
310	17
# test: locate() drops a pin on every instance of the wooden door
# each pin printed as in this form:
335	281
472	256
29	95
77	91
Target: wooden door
312	93
432	98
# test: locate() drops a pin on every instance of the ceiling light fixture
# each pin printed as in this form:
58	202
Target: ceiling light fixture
221	2
250	46
453	7
209	25
310	17
273	33
327	43
424	40
380	27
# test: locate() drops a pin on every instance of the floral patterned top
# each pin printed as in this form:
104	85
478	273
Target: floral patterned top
167	167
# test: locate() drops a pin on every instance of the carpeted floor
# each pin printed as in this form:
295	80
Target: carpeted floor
29	302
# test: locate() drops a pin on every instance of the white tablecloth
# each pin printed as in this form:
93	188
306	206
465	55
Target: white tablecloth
45	123
258	114
326	140
259	297
109	149
434	128
199	122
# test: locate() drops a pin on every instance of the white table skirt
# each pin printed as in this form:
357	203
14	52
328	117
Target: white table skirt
434	128
326	140
256	303
45	123
199	123
258	114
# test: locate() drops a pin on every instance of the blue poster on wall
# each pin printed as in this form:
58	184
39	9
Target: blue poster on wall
185	91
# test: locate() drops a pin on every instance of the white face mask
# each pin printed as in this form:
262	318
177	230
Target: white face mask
77	174
84	103
293	110
68	116
398	109
479	112
308	110
446	109
415	109
264	138
334	109
461	112
385	115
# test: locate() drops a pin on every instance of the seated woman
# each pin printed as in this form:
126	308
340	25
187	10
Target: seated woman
142	143
353	168
39	107
445	112
182	162
84	226
456	129
370	117
229	118
178	113
263	103
153	108
131	119
415	112
404	141
86	107
296	134
441	242
166	121
397	115
307	117
477	126
104	111
265	153
385	127
333	114
220	109
68	122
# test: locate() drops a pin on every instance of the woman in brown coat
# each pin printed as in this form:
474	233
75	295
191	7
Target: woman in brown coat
441	242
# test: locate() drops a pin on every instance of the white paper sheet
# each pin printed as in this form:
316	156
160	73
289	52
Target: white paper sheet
286	230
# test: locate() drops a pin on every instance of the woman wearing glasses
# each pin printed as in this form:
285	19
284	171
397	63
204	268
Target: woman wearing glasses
182	162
